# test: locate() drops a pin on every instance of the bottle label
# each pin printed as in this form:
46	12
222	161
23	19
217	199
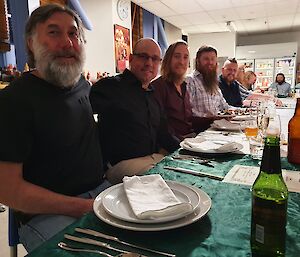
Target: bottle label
260	234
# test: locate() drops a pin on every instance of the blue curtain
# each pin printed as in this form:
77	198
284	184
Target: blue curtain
19	16
76	6
153	28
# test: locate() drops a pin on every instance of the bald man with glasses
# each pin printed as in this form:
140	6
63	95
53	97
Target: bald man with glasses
132	127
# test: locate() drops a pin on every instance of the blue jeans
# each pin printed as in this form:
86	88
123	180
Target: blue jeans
42	227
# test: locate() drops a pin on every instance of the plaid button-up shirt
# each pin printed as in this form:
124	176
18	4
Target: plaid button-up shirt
204	104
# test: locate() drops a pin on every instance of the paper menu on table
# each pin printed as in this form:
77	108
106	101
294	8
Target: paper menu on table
246	175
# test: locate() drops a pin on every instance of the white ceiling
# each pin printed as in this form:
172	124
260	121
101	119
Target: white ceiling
248	16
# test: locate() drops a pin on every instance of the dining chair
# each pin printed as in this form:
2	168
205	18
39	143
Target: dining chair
13	236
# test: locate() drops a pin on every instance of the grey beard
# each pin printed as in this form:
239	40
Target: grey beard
64	76
56	73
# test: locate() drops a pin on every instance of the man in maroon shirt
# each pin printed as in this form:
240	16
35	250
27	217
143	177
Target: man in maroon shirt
170	90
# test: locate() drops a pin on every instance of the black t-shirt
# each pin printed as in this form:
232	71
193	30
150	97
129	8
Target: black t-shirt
52	132
130	119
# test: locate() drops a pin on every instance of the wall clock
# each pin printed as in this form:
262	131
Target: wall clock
123	9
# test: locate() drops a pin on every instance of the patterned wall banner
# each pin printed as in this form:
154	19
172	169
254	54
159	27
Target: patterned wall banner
4	29
122	47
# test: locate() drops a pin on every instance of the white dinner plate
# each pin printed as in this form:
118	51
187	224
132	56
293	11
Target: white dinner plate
237	147
226	115
235	127
200	211
115	202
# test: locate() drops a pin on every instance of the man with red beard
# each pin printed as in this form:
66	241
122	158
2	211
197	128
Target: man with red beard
132	125
50	158
228	85
205	95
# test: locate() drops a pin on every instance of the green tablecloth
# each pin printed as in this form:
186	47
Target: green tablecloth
224	231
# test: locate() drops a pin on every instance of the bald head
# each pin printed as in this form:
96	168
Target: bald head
145	60
229	70
141	43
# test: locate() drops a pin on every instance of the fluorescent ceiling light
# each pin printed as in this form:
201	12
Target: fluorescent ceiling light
251	51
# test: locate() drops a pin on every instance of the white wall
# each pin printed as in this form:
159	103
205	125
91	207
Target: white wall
271	39
267	50
100	52
32	5
225	43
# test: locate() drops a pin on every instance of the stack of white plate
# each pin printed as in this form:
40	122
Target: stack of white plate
112	207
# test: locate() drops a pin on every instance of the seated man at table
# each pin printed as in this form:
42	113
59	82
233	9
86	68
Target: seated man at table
170	90
50	158
132	125
205	96
282	88
228	84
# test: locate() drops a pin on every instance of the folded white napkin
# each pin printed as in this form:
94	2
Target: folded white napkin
205	145
151	198
225	124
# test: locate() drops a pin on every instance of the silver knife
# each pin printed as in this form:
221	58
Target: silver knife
195	173
98	234
93	242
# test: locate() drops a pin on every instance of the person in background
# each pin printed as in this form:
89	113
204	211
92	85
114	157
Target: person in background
240	76
240	79
282	88
132	126
170	90
249	80
234	93
229	86
205	96
50	158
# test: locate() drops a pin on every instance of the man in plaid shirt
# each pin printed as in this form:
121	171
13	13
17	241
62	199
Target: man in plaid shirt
205	96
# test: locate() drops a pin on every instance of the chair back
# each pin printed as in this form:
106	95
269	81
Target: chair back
13	235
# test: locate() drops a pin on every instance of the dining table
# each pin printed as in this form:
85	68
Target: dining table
223	231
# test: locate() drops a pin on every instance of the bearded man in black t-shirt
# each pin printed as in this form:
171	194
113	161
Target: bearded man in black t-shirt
50	158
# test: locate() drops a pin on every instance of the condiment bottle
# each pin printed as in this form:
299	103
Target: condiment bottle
294	136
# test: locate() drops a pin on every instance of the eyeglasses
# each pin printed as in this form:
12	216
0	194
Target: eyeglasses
146	57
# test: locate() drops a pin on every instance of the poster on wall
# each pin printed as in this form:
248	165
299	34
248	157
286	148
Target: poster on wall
122	47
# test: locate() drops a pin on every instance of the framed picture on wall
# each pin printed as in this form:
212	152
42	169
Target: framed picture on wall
122	47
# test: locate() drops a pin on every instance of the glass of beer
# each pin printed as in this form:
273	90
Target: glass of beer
250	128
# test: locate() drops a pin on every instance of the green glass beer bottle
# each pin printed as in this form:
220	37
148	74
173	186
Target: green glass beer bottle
269	204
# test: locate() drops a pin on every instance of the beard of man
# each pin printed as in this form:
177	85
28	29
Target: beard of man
60	74
209	78
280	82
174	77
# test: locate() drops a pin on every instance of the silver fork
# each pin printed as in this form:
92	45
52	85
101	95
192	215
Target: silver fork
66	247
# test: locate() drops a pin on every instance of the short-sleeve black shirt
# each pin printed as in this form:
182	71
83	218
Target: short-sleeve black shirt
52	132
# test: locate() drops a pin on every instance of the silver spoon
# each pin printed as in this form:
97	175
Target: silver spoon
64	246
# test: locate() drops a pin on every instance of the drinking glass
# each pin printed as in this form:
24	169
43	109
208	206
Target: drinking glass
274	126
256	145
250	128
